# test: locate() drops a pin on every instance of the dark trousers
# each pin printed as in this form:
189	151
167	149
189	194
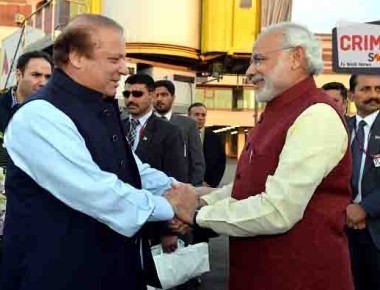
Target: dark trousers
365	260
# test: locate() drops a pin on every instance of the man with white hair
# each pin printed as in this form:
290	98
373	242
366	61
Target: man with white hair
285	210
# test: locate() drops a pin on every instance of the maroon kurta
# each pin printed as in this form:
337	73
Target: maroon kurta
313	255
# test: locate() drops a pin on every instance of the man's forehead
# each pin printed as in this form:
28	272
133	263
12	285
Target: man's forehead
162	89
108	38
199	109
334	93
368	80
135	86
268	41
37	64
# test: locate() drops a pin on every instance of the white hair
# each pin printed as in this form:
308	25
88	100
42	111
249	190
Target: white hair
299	35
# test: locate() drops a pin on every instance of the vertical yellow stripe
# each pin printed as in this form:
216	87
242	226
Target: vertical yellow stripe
96	7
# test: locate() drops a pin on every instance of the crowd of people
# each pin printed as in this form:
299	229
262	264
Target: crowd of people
89	191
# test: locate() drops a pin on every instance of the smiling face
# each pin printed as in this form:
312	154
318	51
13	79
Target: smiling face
269	70
276	65
102	70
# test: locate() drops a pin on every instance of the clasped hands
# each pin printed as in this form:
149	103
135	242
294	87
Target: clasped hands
184	200
356	216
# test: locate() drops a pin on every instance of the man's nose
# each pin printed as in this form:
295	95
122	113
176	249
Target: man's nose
252	68
250	72
123	70
43	81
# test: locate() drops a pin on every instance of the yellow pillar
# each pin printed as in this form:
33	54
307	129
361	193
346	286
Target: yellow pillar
227	145
240	141
96	7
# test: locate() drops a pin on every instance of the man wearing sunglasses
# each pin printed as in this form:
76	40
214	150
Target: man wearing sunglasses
154	140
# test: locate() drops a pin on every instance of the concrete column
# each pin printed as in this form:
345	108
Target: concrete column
227	144
240	141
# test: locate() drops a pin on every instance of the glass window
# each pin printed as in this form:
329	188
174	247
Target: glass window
227	98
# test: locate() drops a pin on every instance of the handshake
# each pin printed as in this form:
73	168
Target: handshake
184	200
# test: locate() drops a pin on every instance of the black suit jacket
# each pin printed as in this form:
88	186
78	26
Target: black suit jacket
371	180
215	158
193	147
6	112
161	146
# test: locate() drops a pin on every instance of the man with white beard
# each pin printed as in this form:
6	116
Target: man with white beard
285	210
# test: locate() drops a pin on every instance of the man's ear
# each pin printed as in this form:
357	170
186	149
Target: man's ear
350	96
150	96
19	75
298	58
76	59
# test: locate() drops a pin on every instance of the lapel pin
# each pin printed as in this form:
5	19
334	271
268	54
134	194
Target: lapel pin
377	137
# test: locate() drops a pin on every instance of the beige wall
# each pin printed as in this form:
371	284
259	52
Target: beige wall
230	118
172	22
326	78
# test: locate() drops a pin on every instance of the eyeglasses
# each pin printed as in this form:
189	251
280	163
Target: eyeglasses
135	94
258	58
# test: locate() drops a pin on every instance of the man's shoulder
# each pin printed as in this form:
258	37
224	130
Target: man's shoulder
211	137
210	131
5	109
351	121
159	124
180	119
376	124
5	96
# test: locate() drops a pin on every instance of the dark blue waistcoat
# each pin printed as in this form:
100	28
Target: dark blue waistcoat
50	246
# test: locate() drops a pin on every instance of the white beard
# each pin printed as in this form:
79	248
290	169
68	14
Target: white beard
265	94
268	92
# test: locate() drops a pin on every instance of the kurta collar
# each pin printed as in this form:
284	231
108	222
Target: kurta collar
296	91
61	79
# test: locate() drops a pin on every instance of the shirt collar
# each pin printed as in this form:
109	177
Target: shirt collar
15	102
202	134
143	119
307	85
168	115
66	83
370	119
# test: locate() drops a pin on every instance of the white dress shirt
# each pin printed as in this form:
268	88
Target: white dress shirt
168	115
370	119
140	126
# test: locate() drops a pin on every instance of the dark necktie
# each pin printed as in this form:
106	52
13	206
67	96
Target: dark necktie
132	131
163	118
357	148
